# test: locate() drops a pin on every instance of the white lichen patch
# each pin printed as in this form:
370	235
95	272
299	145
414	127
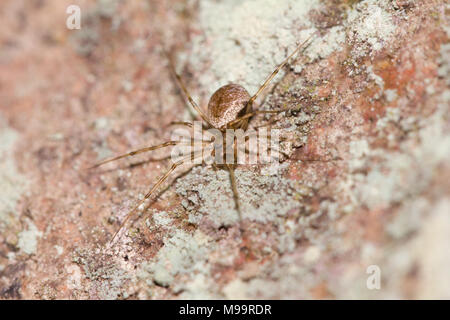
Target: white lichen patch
285	276
358	150
28	238
243	41
73	281
108	280
261	197
370	26
182	253
12	183
390	94
409	218
112	285
160	219
322	47
101	123
392	116
201	287
235	290
398	177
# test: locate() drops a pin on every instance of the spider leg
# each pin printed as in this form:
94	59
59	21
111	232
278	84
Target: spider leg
149	193
235	191
183	87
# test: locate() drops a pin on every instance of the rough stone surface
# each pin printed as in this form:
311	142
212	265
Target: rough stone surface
370	96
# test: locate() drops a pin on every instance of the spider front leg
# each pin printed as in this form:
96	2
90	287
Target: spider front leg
186	92
135	152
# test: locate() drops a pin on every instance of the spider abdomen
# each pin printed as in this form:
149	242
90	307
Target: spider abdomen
226	104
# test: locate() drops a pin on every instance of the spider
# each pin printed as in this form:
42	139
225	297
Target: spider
230	107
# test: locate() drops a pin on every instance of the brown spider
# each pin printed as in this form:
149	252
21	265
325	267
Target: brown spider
230	107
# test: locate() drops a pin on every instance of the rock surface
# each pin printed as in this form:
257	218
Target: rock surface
370	94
